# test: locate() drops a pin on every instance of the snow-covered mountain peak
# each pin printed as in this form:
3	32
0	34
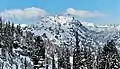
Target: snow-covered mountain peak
61	19
61	30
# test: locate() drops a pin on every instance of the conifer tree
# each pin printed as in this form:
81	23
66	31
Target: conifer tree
5	29
0	31
59	61
0	23
47	63
25	64
18	28
53	62
38	53
98	53
110	56
12	30
67	58
76	54
9	28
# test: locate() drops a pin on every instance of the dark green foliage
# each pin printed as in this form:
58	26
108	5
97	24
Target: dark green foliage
76	54
10	39
25	64
18	28
110	57
53	62
67	58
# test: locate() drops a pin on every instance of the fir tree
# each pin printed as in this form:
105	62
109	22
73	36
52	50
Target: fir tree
0	24
25	64
67	59
39	52
0	31
76	55
53	62
12	30
110	56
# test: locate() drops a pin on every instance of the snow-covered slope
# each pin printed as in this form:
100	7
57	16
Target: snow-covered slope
61	30
58	33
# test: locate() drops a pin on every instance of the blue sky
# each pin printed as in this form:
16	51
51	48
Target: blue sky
99	11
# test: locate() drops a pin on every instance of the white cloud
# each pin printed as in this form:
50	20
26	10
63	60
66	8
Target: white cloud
84	13
27	13
34	14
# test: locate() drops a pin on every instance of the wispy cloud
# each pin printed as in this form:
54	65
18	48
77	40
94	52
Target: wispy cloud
27	13
84	13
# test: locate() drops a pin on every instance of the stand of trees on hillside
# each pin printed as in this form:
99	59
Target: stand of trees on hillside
16	42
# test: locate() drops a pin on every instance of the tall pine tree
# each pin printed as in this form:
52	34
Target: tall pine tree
76	54
110	56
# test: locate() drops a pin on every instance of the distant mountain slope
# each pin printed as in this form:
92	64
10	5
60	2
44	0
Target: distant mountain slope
60	30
